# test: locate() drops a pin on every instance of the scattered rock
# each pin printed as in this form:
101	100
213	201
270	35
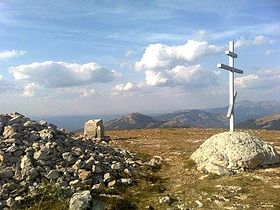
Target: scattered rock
231	152
84	175
199	204
155	162
80	200
126	181
165	199
98	188
53	174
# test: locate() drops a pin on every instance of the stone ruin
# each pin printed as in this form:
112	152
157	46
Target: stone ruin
95	129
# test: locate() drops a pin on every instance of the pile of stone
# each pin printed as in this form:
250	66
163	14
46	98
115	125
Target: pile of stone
31	152
231	152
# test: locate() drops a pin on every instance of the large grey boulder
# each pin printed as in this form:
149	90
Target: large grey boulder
231	152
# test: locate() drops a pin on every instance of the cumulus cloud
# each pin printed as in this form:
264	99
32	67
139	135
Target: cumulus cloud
191	77
51	74
257	40
160	56
246	81
7	54
266	79
30	90
172	67
124	87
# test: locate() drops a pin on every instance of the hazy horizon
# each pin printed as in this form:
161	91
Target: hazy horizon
68	58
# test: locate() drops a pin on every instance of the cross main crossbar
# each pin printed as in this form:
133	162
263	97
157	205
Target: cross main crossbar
226	67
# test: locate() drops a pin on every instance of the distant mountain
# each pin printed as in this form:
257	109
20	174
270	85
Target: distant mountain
247	110
132	121
271	122
193	118
215	117
180	119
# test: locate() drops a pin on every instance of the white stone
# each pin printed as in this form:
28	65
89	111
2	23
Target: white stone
230	152
80	200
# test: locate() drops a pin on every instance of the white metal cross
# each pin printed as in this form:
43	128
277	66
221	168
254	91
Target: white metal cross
232	94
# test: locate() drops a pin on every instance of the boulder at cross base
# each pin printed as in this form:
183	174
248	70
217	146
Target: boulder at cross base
230	152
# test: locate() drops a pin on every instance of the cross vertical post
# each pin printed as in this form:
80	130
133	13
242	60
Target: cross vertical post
232	94
231	86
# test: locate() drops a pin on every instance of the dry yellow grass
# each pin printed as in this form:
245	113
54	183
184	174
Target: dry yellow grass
188	188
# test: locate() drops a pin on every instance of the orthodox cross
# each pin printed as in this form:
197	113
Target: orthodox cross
232	93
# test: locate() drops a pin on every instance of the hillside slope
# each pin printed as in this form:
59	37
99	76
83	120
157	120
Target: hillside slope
271	122
193	118
133	121
247	110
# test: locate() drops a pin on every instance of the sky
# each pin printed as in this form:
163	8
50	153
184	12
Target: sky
78	57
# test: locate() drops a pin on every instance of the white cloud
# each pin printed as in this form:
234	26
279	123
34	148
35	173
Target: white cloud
7	54
158	56
257	40
191	77
156	78
247	80
29	90
124	87
51	74
88	92
265	79
269	52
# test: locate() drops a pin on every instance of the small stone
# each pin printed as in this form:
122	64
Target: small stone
75	183
126	171
32	174
97	188
84	175
155	162
96	169
80	200
7	173
53	175
112	183
67	156
165	199
199	204
107	177
126	181
42	154
116	166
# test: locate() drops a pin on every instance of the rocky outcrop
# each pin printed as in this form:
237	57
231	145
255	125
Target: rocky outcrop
230	152
31	152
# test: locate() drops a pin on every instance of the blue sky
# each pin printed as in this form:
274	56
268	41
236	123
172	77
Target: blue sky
103	57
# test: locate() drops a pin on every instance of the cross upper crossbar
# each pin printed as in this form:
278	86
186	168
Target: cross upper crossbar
231	54
229	68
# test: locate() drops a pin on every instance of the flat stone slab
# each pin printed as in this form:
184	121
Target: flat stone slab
230	152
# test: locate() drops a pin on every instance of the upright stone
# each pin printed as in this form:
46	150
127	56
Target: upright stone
94	129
